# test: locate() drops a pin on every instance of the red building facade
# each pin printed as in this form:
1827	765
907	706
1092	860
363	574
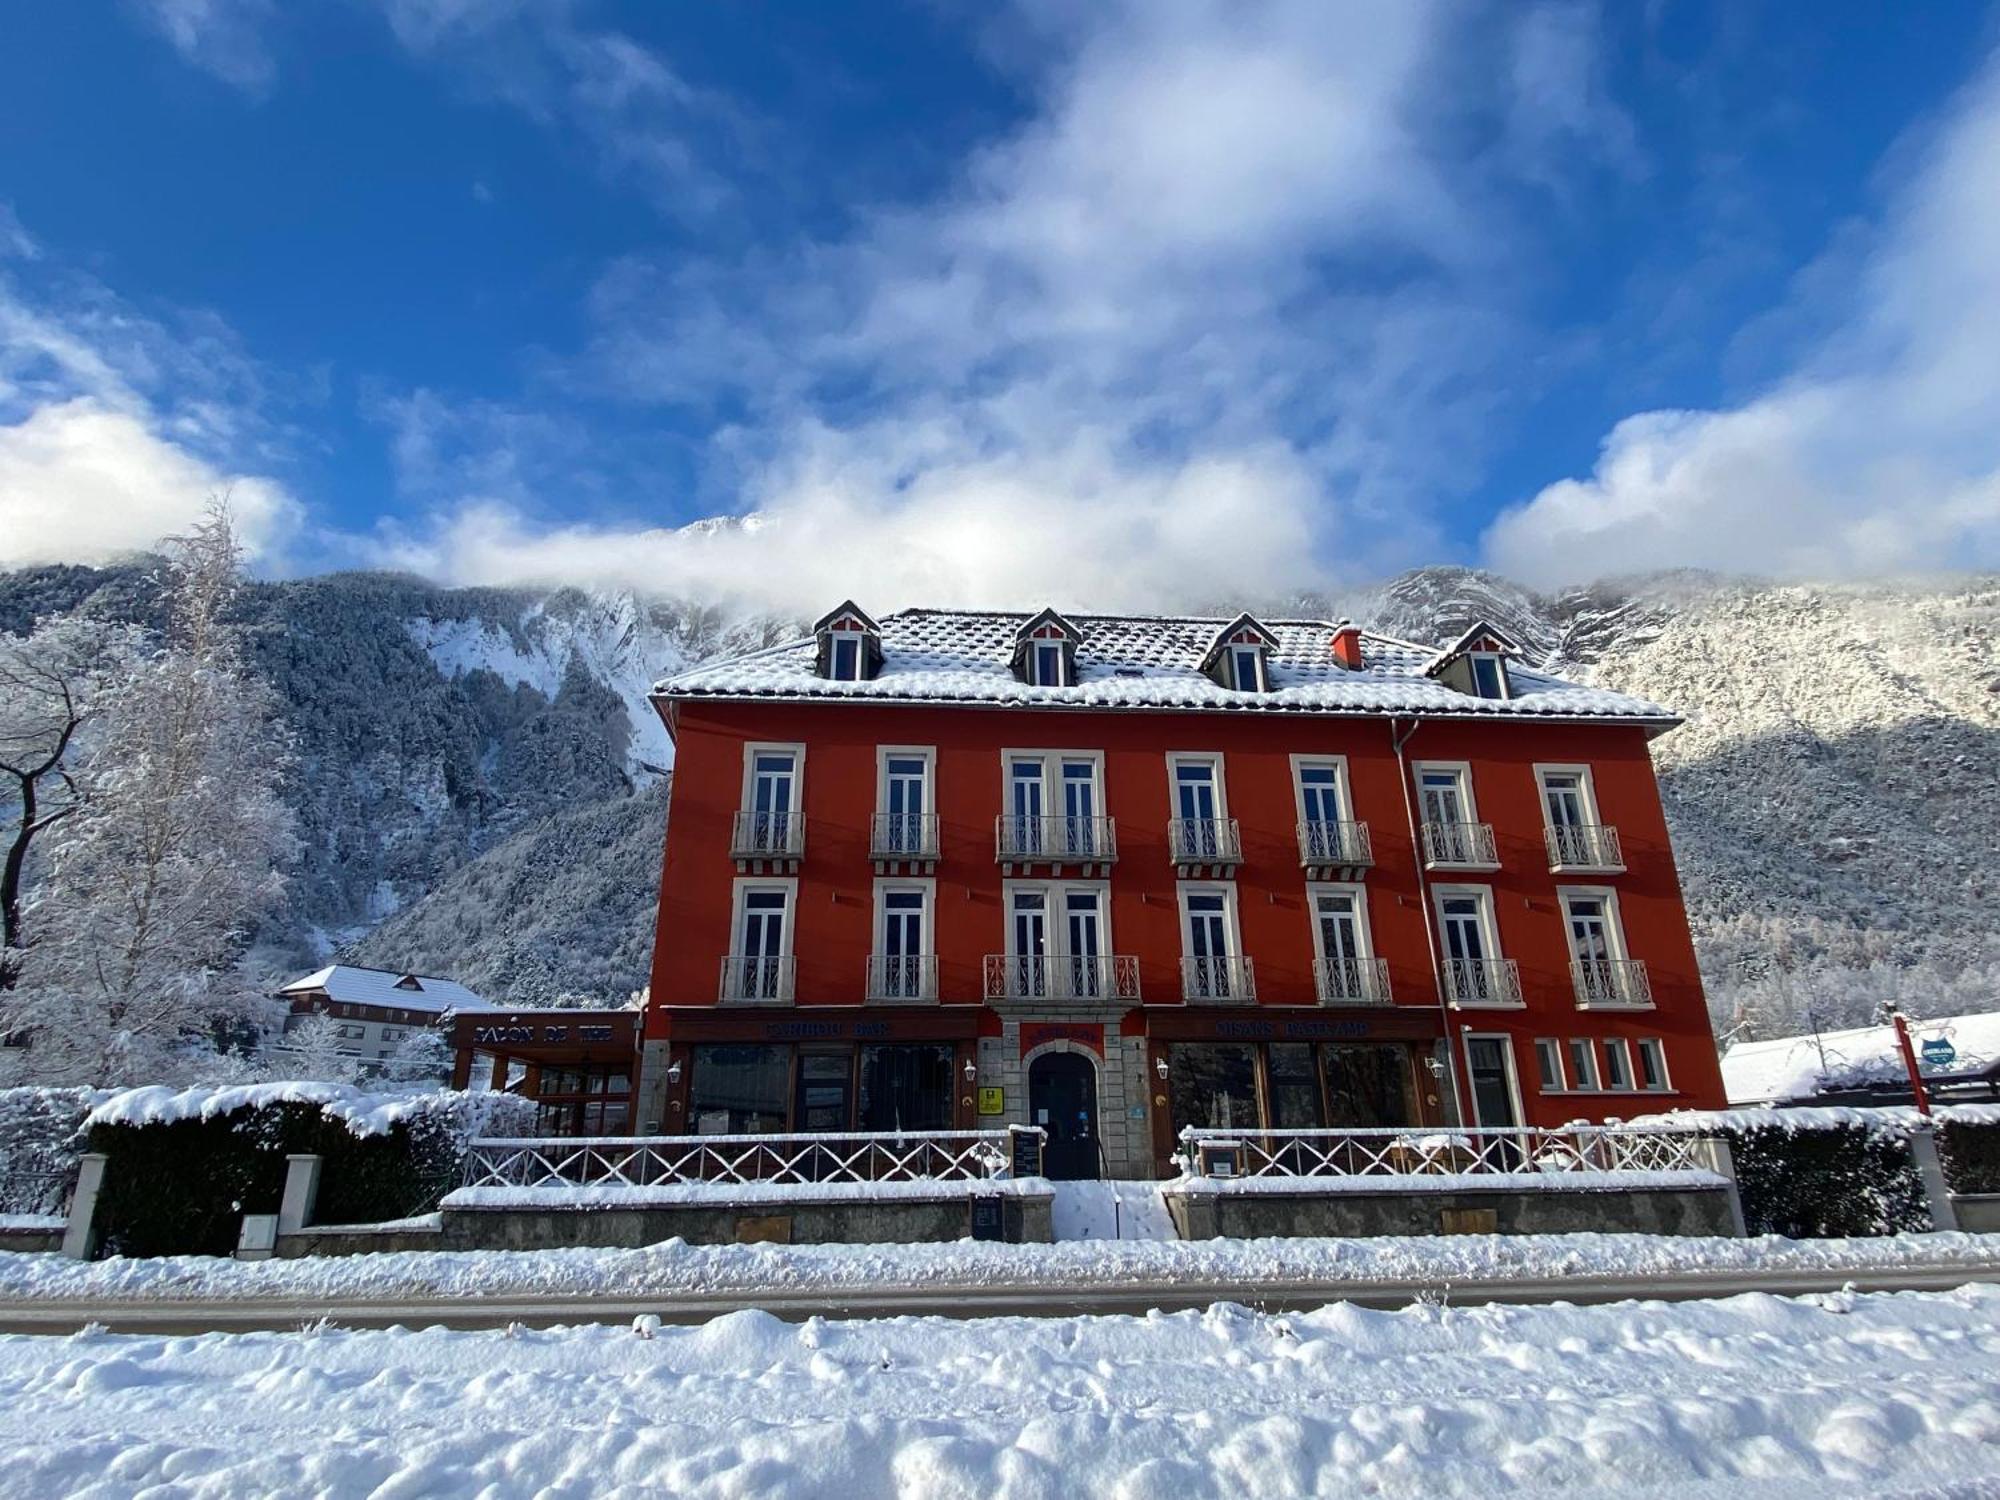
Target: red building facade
1118	876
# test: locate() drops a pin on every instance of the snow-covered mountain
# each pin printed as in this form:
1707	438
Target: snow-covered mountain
478	768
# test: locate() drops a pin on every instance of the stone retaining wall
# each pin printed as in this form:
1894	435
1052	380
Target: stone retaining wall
1236	1214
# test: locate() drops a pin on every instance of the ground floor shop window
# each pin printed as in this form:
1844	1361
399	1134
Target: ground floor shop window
750	1089
1292	1085
583	1101
906	1086
741	1089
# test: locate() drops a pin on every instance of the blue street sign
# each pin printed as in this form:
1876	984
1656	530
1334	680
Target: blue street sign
1939	1052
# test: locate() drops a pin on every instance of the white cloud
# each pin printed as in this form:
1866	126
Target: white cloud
1079	527
116	430
1880	451
84	482
226	38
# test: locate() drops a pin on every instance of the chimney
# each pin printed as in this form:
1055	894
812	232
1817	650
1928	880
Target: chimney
1347	645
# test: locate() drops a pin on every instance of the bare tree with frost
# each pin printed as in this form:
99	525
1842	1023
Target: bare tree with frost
178	841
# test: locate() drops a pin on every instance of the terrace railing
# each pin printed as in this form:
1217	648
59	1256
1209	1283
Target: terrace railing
676	1161
1420	1152
1072	976
1335	844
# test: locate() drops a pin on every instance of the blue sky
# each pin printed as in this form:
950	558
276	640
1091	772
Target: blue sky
1119	304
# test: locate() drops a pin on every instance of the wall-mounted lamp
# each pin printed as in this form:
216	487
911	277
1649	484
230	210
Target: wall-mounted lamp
1436	1065
971	1070
674	1071
1160	1067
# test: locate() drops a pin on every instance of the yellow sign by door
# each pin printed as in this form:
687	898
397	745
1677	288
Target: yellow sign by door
992	1101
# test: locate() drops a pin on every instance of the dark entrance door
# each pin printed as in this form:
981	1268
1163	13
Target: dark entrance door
1062	1099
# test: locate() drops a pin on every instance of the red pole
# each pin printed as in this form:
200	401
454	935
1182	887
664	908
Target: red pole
1917	1090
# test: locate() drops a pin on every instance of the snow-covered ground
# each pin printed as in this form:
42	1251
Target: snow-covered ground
1821	1397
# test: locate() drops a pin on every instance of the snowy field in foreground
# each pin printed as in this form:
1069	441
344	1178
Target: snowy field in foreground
1752	1396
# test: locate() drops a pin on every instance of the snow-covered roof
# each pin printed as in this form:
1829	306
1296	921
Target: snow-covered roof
1146	662
1802	1067
352	985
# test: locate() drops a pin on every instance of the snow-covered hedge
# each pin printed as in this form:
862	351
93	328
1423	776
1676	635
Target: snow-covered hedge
1840	1172
41	1137
184	1165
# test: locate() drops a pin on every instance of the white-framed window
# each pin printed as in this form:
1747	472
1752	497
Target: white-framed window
1058	937
1048	664
1195	785
1469	937
1582	1064
905	795
350	1033
1549	1065
1211	941
1444	792
1653	1066
762	923
1246	669
1056	799
905	938
844	655
1339	920
1569	796
1590	922
1320	790
1496	1087
774	780
1617	1073
1489	674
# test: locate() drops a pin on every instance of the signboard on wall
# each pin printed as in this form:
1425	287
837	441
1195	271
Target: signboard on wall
992	1100
1078	1033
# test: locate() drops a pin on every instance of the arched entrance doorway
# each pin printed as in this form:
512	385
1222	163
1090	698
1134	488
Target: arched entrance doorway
1062	1099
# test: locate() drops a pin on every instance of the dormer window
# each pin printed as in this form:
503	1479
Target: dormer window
1239	655
1476	663
850	645
1045	651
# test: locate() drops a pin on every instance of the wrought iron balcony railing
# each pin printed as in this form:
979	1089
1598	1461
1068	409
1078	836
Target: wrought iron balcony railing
1335	844
754	979
1057	839
903	836
1611	982
908	977
1218	980
1352	981
1205	841
768	835
1460	845
1482	981
1585	846
1094	976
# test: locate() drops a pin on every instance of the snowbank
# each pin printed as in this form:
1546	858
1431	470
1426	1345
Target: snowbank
662	1195
1553	1181
674	1267
1899	1118
1818	1397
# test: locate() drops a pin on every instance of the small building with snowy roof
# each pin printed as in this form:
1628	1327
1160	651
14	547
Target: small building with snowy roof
375	1010
1958	1056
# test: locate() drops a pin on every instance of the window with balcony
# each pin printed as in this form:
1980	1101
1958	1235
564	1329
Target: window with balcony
1059	947
770	823
1200	831
759	967
904	963
1345	968
1329	838
1578	839
1453	836
1474	972
1602	973
906	825
1213	968
1054	811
